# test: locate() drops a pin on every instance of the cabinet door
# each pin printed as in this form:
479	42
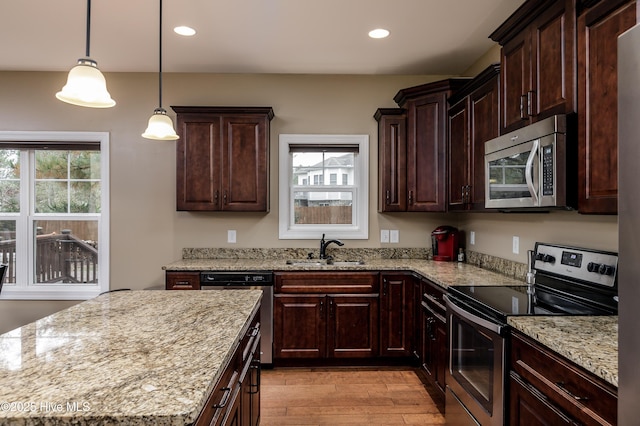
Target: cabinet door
392	160
527	407
598	31
553	56
299	326
245	163
426	150
198	157
396	314
352	326
515	69
441	352
458	155
484	125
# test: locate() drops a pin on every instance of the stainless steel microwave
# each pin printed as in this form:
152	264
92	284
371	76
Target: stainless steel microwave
531	167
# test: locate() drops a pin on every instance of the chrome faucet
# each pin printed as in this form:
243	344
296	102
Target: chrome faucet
324	244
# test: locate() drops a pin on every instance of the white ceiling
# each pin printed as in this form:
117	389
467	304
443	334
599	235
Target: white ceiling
253	36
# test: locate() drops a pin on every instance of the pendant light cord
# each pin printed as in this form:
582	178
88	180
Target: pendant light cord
88	26
160	60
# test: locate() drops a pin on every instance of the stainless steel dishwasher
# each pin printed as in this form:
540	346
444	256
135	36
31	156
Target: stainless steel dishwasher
248	280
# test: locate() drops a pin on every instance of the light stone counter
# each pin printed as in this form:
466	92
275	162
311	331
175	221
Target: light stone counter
128	357
444	274
590	342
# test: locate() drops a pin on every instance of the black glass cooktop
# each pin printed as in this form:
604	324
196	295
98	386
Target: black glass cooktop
503	301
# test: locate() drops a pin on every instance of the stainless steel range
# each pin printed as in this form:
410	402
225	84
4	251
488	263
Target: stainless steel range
564	281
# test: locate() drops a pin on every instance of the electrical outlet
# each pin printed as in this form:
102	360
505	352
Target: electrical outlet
394	236
384	235
516	245
231	236
472	237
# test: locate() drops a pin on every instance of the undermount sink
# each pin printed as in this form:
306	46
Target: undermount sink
323	262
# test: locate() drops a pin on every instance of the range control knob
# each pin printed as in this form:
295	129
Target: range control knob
548	258
593	267
606	270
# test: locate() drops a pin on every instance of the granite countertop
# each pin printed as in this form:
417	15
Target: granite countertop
590	342
444	274
128	357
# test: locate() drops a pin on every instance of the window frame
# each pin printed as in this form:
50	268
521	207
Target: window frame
25	288
359	230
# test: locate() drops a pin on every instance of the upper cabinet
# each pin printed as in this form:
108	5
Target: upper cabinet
223	158
473	119
417	165
537	62
599	25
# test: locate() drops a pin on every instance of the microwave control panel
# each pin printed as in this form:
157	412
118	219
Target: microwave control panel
547	170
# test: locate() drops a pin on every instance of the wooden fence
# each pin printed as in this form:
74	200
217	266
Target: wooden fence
323	214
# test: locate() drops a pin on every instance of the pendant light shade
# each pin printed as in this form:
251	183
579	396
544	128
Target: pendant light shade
160	126
86	86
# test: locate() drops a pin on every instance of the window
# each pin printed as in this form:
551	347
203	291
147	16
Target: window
54	214
309	210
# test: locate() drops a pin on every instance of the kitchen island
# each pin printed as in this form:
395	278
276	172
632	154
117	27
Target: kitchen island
127	357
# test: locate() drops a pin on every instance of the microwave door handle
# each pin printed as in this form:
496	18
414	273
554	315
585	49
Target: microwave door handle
528	172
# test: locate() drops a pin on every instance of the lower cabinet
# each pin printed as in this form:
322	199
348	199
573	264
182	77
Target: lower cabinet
396	314
325	316
235	399
547	389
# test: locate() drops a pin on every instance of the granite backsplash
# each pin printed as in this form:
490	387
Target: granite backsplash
503	266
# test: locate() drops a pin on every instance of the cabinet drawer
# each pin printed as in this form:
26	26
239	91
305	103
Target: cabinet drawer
579	393
182	280
323	282
433	296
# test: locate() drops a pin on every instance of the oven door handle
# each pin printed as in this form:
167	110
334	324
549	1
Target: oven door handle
528	171
462	313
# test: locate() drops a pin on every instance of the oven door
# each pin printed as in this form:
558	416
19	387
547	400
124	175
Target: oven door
476	375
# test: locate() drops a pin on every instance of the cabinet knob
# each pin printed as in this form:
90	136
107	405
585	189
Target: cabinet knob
410	197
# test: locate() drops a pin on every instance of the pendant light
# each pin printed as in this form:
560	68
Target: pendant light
160	126
86	85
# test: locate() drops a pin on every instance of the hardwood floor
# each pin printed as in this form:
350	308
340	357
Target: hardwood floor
338	396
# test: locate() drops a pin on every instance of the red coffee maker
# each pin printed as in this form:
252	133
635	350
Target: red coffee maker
444	243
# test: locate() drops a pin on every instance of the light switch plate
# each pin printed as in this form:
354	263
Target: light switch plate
472	237
384	235
394	236
516	245
231	236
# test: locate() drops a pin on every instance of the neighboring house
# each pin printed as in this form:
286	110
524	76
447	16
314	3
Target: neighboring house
331	172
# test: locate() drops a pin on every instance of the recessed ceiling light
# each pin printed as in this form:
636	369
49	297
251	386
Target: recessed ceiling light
378	33
184	31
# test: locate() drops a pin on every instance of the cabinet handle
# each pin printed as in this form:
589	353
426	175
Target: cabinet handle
563	388
224	197
216	198
388	198
530	102
331	308
256	385
384	287
523	110
225	398
321	306
410	197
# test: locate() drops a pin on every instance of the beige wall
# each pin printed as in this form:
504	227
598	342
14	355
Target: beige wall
146	230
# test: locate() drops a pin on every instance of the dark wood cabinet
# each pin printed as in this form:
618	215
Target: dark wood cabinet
223	158
434	340
182	280
392	159
396	314
234	400
473	119
538	73
414	176
546	389
326	315
598	28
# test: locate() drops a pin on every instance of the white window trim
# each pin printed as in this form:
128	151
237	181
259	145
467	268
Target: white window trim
26	291
358	231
